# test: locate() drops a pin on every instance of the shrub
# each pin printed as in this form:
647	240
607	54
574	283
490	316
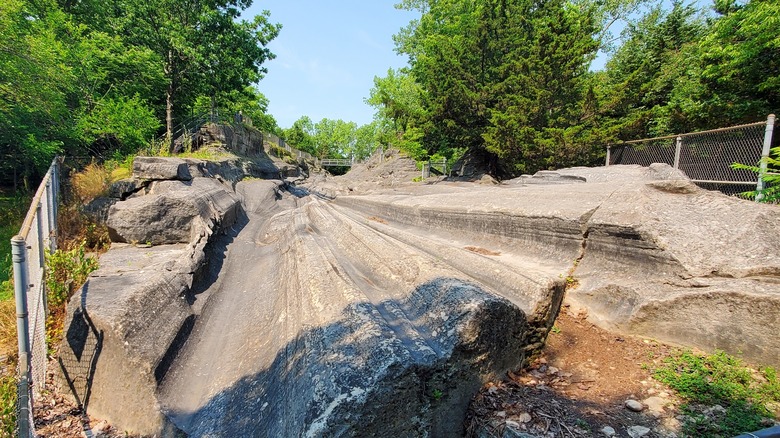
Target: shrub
126	124
771	191
66	271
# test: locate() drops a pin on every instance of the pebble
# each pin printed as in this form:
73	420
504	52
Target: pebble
101	427
637	431
608	431
634	405
525	417
512	424
655	405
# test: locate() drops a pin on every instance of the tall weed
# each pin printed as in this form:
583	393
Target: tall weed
66	271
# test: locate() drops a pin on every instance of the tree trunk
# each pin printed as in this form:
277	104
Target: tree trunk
169	117
170	71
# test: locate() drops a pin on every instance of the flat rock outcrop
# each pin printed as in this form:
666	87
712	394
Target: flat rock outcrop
659	256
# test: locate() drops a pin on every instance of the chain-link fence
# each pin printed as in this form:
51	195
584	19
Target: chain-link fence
292	150
705	157
38	233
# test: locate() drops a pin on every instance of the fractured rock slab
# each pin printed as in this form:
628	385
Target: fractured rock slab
172	212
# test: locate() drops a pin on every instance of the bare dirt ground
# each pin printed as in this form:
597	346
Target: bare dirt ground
574	389
578	387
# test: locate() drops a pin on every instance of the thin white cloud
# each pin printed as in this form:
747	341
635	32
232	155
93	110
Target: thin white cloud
366	39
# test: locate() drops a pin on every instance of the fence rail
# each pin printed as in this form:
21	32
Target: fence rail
705	157
332	162
38	234
291	149
437	166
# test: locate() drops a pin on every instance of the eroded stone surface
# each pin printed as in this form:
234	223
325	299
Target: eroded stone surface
160	168
172	212
318	316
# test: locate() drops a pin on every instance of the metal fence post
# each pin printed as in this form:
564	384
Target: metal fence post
677	149
770	126
19	257
55	201
609	153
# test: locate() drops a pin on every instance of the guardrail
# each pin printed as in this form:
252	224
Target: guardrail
332	162
38	233
706	157
437	166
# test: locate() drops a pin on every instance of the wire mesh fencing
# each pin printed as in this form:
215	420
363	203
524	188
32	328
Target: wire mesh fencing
705	157
38	234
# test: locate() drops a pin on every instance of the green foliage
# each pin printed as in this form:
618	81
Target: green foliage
124	125
723	380
651	66
506	77
740	63
66	271
301	135
334	138
771	177
93	78
12	210
509	80
8	394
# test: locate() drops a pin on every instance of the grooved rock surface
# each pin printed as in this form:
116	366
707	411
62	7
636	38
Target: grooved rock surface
381	314
342	319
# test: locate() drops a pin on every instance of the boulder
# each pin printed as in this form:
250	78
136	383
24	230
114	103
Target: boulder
119	328
124	188
173	212
123	327
161	168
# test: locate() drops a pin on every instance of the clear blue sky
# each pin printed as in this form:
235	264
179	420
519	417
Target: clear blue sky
327	55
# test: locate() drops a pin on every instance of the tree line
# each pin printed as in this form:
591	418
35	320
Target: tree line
509	79
89	77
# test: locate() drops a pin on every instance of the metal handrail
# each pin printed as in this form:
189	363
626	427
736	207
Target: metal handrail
30	217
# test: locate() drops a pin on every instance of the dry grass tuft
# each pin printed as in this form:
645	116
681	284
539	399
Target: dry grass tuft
74	228
7	328
482	251
91	182
378	219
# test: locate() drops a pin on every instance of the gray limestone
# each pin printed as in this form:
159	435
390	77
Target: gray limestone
159	168
173	212
380	314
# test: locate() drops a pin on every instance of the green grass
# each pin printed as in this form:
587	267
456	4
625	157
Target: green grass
13	207
720	379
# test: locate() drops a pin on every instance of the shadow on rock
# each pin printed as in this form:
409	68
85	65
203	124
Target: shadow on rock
368	374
